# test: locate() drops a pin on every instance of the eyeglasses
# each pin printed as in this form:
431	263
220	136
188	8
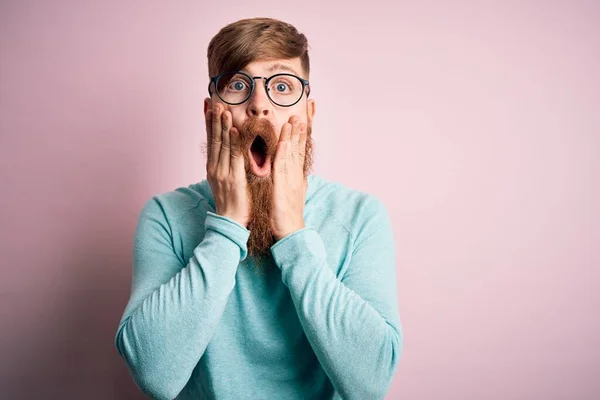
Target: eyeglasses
237	87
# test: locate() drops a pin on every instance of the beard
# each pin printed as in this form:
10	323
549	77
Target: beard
260	189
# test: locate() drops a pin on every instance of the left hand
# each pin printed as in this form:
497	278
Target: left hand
290	186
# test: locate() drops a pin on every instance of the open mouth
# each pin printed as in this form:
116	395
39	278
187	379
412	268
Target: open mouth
260	164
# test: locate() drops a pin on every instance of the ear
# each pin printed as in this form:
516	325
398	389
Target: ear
208	103
310	109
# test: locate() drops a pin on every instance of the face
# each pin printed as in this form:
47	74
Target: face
259	122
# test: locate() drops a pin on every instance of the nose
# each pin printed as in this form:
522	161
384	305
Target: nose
259	104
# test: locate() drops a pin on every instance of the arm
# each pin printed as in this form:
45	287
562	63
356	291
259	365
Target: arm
352	323
174	308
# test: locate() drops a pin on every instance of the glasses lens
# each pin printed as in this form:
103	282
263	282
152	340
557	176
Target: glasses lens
234	88
285	89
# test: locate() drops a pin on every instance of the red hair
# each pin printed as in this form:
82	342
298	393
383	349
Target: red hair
241	42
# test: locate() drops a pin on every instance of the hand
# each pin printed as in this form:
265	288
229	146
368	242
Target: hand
289	192
225	169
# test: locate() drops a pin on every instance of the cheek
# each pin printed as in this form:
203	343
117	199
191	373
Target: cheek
239	117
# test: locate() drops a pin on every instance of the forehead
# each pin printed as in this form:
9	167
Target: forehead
272	66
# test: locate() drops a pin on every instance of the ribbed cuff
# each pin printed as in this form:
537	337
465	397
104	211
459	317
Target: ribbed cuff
230	229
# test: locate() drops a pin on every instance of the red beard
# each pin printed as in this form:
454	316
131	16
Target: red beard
260	189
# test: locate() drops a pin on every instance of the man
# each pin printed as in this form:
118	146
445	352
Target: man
262	281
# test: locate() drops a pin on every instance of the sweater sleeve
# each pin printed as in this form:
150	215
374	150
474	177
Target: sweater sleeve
352	323
174	309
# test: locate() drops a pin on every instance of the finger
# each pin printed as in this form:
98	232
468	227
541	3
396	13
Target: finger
295	140
280	154
286	130
305	188
279	163
208	122
215	145
237	158
295	134
223	165
302	143
289	147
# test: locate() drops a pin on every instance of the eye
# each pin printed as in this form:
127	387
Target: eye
237	85
281	87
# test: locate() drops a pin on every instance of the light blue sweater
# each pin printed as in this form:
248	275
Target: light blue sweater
323	323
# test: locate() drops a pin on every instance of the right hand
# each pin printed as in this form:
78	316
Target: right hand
225	170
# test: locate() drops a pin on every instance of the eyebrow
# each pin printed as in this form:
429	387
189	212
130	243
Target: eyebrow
281	67
278	66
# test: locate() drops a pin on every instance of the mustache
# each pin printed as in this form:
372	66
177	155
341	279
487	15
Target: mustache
255	127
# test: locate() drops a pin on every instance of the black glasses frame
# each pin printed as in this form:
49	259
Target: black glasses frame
215	80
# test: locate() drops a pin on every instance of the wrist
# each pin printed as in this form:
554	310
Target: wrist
284	233
236	218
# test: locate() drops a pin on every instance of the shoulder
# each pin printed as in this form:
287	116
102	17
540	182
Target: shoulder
350	207
178	203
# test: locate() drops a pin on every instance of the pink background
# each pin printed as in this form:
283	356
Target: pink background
480	134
